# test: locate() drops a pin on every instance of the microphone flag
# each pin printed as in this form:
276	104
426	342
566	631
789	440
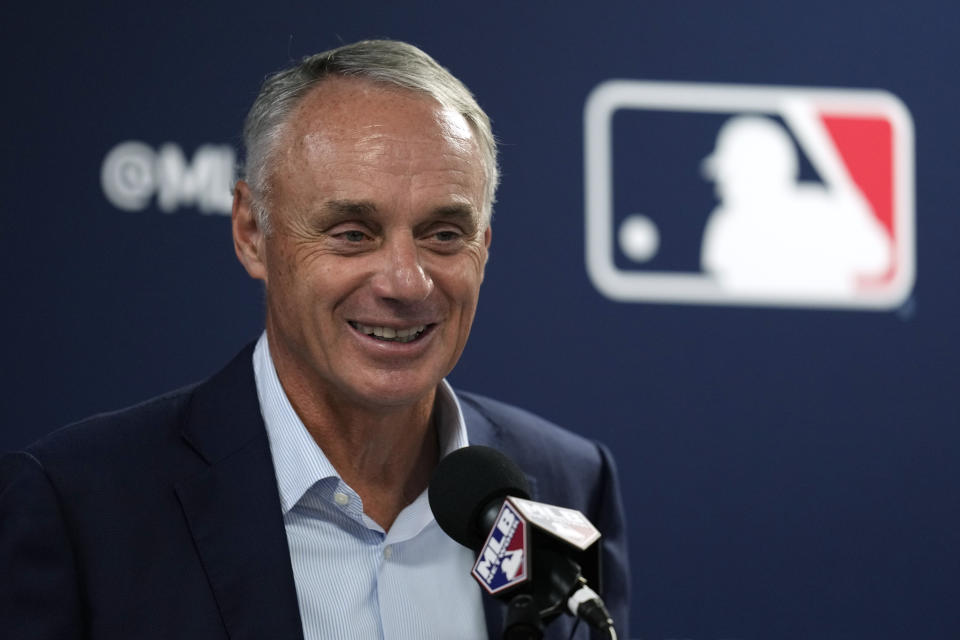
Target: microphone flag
504	560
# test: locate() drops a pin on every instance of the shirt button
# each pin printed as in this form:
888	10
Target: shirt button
387	552
341	499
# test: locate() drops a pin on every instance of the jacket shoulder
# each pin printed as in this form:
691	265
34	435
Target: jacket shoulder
117	443
152	439
533	441
511	421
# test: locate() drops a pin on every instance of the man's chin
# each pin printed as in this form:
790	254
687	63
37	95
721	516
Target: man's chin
394	394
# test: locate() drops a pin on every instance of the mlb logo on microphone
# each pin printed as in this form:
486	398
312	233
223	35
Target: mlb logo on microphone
502	562
749	195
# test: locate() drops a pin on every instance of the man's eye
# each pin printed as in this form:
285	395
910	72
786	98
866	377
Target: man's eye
446	236
353	236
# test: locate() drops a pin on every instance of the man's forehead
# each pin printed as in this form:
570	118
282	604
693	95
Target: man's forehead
341	106
351	140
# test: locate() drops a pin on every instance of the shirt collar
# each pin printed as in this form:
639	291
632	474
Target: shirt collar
298	461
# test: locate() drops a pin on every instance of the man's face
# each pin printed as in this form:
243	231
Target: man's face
378	244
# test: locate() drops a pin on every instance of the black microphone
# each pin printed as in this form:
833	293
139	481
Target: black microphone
466	494
467	490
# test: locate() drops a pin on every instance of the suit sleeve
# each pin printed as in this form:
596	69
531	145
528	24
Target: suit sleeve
39	594
609	518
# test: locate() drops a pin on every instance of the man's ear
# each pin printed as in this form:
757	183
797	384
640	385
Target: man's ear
487	237
248	236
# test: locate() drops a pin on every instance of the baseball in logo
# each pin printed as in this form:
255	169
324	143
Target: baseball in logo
502	562
744	195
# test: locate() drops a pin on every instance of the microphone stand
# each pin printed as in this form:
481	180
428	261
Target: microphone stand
523	620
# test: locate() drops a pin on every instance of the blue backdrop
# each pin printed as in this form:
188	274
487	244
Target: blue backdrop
788	471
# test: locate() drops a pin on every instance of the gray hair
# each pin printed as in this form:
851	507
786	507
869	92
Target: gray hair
387	62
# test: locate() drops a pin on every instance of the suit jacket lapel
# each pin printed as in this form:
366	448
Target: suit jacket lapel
233	508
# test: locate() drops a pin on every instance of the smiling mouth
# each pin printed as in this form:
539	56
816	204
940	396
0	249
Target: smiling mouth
389	334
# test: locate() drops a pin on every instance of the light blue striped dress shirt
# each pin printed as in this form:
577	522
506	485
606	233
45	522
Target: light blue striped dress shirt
353	579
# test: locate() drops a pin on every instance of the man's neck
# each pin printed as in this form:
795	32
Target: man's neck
386	454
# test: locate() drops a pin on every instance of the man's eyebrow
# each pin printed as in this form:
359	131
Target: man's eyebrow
336	211
345	209
463	213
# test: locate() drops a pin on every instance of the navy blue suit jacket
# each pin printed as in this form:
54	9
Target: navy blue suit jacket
164	521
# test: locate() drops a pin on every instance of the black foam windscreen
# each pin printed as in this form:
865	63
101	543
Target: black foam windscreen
468	482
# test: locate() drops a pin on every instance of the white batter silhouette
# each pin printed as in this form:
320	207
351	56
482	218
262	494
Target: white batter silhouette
771	234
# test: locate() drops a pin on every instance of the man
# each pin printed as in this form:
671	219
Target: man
285	496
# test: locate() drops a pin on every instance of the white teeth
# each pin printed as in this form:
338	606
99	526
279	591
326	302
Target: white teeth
389	333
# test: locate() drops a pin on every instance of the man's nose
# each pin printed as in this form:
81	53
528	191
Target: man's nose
401	276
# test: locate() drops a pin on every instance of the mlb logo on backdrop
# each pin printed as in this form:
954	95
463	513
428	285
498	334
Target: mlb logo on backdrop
749	195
